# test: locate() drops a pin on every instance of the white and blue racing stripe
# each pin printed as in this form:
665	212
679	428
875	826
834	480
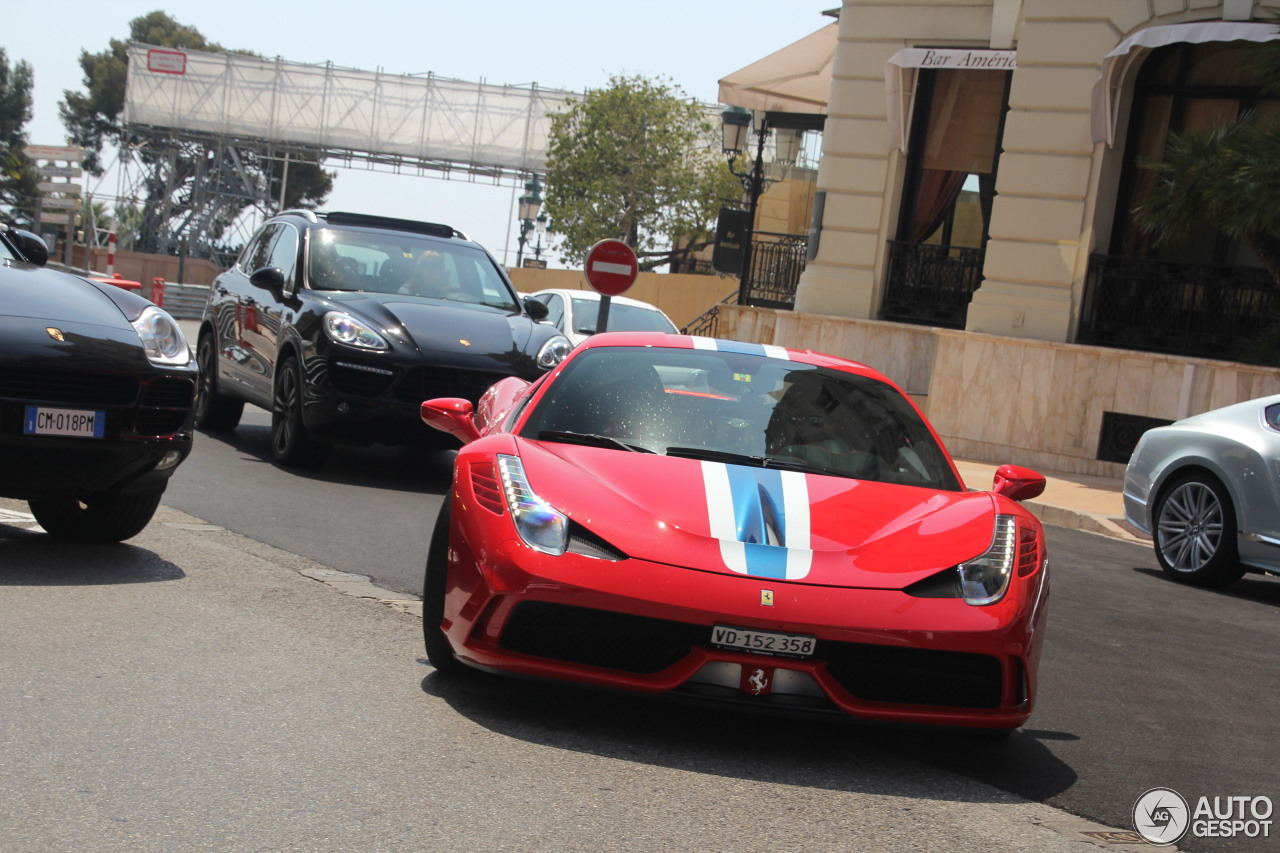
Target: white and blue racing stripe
766	350
761	517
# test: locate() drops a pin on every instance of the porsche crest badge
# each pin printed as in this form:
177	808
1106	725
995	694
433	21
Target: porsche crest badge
56	334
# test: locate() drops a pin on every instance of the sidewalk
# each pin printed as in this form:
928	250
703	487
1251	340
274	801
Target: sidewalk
1076	501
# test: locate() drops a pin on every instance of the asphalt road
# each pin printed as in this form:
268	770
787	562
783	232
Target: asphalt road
193	690
1144	683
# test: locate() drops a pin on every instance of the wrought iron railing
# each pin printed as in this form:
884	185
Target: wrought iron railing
930	283
707	324
776	263
1181	309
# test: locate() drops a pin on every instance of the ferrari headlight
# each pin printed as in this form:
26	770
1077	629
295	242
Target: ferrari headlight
344	329
542	527
162	339
985	578
553	352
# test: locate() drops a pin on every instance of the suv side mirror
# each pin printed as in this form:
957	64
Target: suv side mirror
31	246
535	308
271	278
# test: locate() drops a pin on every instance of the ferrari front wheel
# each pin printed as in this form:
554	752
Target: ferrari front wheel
1195	530
439	652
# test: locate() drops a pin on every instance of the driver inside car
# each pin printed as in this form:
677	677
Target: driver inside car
429	277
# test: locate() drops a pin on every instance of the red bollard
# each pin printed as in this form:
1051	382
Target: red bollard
157	291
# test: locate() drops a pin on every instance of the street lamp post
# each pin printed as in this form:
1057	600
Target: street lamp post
541	231
530	207
736	122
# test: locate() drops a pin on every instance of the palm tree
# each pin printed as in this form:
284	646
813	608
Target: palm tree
1225	177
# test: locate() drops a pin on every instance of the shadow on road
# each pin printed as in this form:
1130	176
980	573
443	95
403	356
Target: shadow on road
1251	587
30	558
369	466
819	753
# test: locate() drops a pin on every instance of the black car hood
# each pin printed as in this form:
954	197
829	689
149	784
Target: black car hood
54	320
439	325
41	294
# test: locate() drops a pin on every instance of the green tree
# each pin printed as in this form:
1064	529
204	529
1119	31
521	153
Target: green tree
18	175
638	162
93	119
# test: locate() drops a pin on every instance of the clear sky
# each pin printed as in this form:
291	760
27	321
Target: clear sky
558	44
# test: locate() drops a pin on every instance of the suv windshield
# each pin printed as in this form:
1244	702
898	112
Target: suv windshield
396	262
743	409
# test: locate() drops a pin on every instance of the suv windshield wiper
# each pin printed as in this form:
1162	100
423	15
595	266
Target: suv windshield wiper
590	439
746	459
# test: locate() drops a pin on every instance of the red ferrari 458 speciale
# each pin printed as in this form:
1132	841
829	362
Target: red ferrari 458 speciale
737	522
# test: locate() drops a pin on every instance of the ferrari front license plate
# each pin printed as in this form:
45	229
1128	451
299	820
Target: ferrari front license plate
766	642
41	420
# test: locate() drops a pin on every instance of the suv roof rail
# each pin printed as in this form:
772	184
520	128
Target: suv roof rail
309	214
433	229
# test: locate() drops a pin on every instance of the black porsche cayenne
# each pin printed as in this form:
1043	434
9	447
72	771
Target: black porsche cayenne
342	324
97	391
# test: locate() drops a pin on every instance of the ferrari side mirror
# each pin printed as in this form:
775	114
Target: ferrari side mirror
452	415
1017	483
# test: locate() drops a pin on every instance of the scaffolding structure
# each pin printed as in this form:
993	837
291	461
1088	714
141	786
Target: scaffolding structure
206	127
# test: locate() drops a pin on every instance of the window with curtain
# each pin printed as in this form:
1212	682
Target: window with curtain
955	149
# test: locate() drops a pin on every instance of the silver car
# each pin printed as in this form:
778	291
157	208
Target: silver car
1207	488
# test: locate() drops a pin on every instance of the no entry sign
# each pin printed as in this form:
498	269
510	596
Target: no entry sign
611	267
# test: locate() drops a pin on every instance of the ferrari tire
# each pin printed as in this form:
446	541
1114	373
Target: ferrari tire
107	517
291	444
1195	532
439	652
214	412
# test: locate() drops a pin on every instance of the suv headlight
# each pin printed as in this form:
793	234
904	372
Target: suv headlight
342	328
542	527
553	352
985	578
162	338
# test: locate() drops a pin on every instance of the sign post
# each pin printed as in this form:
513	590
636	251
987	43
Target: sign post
611	268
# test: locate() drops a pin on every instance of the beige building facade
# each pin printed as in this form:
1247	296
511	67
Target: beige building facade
1014	131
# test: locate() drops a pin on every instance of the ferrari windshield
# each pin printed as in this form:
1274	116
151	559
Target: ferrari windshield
740	408
382	261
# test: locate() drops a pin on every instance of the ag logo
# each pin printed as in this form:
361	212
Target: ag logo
1161	816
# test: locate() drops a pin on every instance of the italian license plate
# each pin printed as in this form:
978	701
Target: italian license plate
42	420
763	642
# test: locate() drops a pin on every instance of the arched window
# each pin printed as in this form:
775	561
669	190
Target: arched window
1185	87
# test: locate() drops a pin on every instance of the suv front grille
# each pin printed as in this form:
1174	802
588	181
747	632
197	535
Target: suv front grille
427	383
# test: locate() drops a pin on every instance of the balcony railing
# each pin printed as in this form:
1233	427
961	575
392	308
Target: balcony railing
930	283
1181	309
776	263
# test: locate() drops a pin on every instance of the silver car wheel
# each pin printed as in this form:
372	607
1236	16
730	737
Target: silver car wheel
1189	531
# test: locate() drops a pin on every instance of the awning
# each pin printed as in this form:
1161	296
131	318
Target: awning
795	79
900	80
1105	103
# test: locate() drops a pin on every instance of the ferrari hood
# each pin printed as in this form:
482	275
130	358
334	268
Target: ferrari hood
765	523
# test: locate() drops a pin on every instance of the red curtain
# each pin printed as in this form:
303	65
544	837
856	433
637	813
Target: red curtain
939	189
